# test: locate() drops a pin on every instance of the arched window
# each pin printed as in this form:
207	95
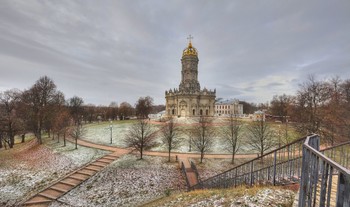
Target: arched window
201	112
173	111
206	112
194	112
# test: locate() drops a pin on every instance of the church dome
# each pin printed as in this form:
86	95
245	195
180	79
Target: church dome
190	50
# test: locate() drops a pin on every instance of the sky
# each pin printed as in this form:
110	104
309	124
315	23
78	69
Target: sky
106	51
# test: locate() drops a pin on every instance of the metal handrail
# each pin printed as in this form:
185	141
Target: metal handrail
250	165
316	180
248	172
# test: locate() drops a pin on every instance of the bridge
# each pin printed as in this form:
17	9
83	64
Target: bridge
323	174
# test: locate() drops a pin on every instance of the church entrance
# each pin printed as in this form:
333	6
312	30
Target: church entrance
183	113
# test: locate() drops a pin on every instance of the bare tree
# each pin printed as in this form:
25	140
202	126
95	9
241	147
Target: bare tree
144	106
141	136
261	136
10	123
61	123
76	109
310	99
125	110
203	136
77	132
112	112
232	134
280	106
170	134
38	101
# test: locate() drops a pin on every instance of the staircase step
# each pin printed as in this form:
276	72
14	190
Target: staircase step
109	158
104	160
58	189
94	168
80	177
48	196
84	172
52	192
70	181
98	164
37	200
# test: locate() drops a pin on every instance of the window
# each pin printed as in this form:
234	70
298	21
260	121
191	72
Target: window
173	112
194	112
201	112
206	112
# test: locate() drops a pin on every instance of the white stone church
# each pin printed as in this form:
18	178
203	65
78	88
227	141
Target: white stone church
189	100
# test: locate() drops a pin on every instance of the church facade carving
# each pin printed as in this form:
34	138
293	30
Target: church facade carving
189	100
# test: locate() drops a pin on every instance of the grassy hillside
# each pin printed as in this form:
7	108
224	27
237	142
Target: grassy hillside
242	196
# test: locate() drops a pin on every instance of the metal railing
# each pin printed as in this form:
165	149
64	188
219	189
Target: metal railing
276	167
324	182
194	168
183	169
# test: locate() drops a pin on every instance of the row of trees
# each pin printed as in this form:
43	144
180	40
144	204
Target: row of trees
321	107
43	107
259	135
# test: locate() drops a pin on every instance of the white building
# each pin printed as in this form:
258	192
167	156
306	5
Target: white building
228	107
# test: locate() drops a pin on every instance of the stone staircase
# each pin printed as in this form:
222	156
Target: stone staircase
64	185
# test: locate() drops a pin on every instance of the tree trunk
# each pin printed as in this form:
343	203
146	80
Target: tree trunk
141	153
38	136
64	139
58	137
202	156
169	156
0	141
233	158
23	138
76	143
12	141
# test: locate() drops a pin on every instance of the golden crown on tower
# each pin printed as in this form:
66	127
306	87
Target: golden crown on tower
190	50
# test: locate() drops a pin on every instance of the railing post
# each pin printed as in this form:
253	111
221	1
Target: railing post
251	173
274	167
343	192
304	178
235	180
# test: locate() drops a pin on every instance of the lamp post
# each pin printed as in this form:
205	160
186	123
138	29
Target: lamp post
110	127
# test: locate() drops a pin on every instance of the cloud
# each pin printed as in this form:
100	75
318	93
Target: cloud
120	50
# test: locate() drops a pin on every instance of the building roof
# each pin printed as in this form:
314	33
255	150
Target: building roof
227	102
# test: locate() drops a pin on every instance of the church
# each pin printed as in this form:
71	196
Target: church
189	100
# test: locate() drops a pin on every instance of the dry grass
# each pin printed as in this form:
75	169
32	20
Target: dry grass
225	197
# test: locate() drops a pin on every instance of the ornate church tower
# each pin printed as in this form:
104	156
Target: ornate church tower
189	74
189	100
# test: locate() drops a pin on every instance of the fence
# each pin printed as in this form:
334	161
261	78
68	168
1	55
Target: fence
276	167
324	182
183	169
194	168
281	166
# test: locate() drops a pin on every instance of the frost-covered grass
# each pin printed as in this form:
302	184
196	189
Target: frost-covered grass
100	133
236	197
127	182
211	167
29	167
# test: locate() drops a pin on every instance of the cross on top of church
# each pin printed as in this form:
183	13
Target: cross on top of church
190	37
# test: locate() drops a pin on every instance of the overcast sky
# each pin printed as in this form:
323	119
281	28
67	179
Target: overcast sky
118	51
